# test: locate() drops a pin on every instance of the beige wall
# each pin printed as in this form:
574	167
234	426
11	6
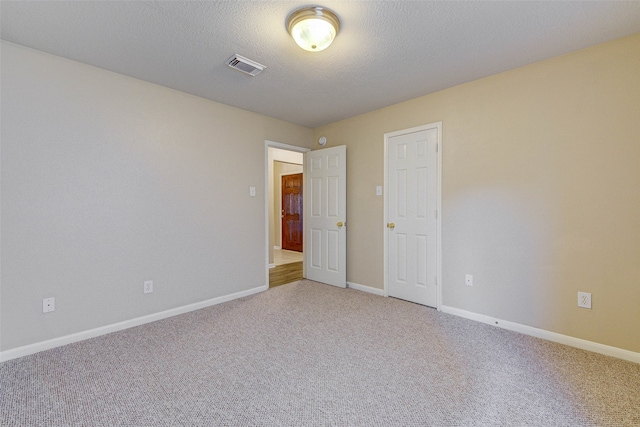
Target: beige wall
541	192
108	181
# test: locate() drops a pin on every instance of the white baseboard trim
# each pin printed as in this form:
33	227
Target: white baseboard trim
277	248
92	333
364	288
272	266
546	335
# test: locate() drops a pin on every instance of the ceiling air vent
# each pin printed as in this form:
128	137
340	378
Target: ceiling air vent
245	65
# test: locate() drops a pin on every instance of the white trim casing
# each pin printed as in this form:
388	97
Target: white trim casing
364	288
607	350
511	326
526	330
92	333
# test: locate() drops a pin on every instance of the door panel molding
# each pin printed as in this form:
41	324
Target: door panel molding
291	211
325	219
278	208
419	207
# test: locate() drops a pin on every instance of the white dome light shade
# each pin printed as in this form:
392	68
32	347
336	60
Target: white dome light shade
313	35
313	28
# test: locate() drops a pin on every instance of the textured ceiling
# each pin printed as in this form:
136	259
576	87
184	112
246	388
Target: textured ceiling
386	51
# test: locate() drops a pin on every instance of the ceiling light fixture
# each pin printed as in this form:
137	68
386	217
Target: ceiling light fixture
313	27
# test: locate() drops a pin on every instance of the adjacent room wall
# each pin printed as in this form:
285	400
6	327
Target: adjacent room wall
108	181
541	192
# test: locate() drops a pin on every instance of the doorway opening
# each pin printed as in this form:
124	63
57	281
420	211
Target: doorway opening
284	231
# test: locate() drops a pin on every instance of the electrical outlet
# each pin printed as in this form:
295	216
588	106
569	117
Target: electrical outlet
48	304
148	286
584	299
468	279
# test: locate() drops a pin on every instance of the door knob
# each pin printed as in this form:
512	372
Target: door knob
340	224
391	225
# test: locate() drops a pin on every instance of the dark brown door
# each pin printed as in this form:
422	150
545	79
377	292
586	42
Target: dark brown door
292	212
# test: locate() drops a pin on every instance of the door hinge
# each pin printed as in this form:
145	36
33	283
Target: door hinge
437	147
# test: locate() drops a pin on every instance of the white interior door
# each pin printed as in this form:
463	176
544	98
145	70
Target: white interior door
411	200
325	239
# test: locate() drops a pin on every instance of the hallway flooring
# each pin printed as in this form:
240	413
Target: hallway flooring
286	257
288	267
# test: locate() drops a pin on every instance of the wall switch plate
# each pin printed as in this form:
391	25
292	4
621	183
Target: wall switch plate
584	299
379	190
148	286
468	279
252	191
48	304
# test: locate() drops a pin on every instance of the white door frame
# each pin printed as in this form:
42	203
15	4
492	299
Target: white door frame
436	125
281	146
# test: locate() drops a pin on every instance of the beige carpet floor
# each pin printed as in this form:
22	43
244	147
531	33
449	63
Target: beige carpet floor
307	354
